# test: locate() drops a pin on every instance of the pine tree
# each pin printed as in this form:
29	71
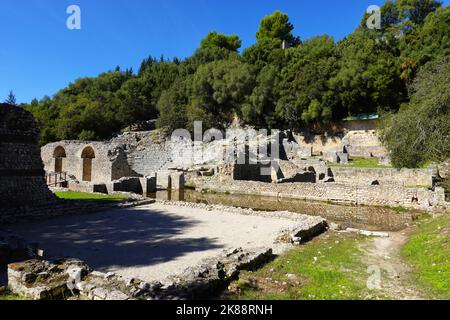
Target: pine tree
11	99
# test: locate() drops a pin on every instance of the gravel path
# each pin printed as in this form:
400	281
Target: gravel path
154	241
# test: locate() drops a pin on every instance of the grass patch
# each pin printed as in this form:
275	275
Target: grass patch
8	296
328	268
100	198
370	163
428	251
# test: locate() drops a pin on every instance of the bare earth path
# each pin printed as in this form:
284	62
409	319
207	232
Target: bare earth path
385	253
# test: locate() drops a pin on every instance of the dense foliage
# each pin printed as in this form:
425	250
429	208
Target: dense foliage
280	81
420	132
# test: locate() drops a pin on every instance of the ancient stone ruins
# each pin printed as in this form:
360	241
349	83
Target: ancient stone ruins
305	168
144	249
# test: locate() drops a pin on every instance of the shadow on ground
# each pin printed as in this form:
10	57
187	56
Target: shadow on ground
119	238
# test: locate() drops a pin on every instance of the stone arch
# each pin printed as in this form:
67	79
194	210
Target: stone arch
59	154
88	154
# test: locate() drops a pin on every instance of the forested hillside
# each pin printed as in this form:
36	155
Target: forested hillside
301	84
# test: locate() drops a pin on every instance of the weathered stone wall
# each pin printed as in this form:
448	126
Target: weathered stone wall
146	152
22	181
359	137
362	143
392	196
109	164
401	177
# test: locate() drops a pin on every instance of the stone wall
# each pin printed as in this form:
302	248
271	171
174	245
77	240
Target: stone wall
359	137
109	162
383	176
391	195
146	152
22	179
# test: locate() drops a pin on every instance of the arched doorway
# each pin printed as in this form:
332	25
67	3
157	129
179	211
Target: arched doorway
59	154
87	155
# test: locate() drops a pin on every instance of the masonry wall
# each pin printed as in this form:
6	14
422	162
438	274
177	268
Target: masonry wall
393	196
360	136
109	164
22	181
401	177
145	152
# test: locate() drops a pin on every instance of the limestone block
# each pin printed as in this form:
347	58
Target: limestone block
163	180
331	157
305	151
178	180
148	184
342	157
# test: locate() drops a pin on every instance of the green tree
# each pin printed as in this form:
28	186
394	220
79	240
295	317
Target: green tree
172	105
214	39
219	88
265	52
420	132
306	95
11	99
133	102
427	43
369	74
414	12
277	26
260	107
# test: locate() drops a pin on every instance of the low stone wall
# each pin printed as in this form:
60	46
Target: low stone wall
45	280
382	176
13	248
392	196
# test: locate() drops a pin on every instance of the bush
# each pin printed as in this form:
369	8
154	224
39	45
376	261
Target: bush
420	132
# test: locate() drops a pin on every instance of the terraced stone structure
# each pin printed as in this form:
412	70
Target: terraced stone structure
22	177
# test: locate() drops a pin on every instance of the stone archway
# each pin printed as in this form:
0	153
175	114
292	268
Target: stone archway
59	155
87	155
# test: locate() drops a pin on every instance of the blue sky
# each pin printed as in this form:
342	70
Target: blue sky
39	55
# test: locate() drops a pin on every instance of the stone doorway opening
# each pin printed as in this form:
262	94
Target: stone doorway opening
59	155
87	155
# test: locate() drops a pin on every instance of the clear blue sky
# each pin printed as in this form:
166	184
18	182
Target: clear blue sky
39	55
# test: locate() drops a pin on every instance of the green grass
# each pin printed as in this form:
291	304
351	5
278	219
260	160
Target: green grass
8	296
328	268
80	196
363	163
428	251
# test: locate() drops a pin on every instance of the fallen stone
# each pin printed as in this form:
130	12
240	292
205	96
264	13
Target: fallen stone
116	295
368	233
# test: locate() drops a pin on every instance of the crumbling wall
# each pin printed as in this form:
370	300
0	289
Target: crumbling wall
22	181
384	176
370	195
109	162
146	152
359	137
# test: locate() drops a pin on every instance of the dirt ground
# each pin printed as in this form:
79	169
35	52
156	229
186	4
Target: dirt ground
385	253
150	242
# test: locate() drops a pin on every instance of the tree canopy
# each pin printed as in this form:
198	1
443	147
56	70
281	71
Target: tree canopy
299	85
420	132
214	39
11	98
